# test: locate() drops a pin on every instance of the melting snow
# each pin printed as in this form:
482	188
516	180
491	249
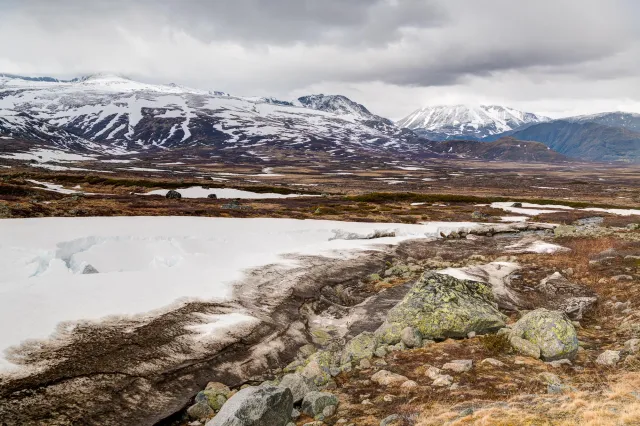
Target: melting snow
148	265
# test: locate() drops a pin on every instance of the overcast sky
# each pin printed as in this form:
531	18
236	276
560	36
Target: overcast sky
554	57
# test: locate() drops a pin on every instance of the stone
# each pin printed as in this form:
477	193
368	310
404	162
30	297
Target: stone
365	364
174	195
411	337
360	347
295	414
459	366
381	351
318	367
551	331
392	420
329	411
200	411
471	335
409	384
89	269
559	363
620	278
525	347
608	358
212	196
493	362
549	379
443	380
573	299
298	385
387	378
432	372
441	306
632	346
315	402
256	406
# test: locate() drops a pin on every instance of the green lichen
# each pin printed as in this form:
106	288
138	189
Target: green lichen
551	331
441	306
360	347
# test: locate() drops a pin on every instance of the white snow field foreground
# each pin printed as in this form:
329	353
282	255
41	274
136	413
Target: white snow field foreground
149	265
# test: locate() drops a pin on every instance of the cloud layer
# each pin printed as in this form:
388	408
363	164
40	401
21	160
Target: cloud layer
555	57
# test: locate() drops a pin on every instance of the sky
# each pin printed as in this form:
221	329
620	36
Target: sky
552	57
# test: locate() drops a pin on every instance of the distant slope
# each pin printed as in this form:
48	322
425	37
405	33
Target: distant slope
625	120
466	122
585	140
113	114
505	149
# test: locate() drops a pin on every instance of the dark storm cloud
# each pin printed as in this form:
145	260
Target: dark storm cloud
278	47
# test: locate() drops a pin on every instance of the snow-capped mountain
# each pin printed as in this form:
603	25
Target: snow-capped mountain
466	122
116	114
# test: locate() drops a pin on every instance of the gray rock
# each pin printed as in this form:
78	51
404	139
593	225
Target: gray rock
200	411
256	406
441	306
411	337
212	196
174	195
632	346
525	347
392	420
608	358
298	385
443	380
493	362
381	351
89	269
329	411
360	347
551	331
315	402
459	366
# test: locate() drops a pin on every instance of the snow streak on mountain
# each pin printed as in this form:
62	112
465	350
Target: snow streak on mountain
466	122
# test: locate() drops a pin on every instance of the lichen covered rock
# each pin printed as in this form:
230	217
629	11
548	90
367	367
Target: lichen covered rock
362	346
440	306
551	331
256	406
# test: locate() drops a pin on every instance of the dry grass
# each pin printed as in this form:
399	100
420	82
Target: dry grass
618	405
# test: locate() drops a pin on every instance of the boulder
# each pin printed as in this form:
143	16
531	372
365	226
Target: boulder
392	420
573	299
387	378
551	331
411	337
89	269
215	394
632	346
362	346
440	306
319	366
212	196
174	195
459	366
608	358
200	411
314	403
298	385
525	347
256	406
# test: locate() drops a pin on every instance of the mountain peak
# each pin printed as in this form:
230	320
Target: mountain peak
336	104
445	122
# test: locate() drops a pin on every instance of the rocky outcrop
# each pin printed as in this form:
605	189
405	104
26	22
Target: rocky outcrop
256	406
549	331
575	300
441	306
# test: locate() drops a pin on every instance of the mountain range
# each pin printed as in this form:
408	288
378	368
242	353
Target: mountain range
113	115
613	136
